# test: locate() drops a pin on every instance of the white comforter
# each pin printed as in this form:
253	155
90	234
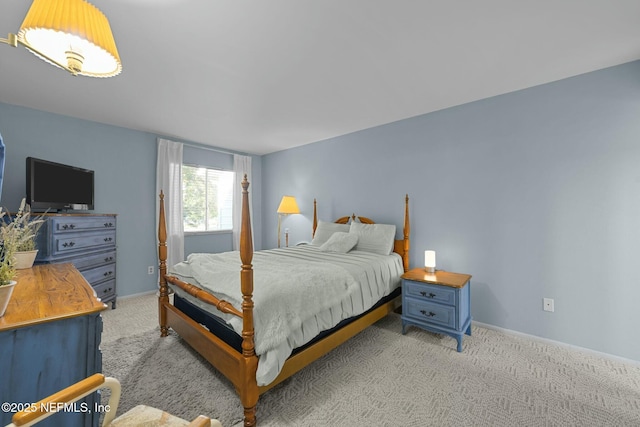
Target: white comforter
298	293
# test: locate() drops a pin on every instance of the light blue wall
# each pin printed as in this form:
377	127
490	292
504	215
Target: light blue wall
535	193
124	162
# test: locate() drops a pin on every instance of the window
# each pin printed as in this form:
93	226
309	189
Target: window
207	196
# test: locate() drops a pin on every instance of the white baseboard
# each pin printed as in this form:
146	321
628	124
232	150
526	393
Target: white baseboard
558	343
136	295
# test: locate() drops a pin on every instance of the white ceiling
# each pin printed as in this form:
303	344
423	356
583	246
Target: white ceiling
259	76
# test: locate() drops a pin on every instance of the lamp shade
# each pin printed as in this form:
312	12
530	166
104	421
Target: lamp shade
430	261
288	205
73	33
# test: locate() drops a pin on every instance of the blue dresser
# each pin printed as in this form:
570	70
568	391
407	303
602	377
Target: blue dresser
49	339
88	242
439	302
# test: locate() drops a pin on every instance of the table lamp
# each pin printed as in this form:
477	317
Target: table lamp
430	261
287	206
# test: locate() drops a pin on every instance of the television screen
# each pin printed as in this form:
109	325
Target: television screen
56	186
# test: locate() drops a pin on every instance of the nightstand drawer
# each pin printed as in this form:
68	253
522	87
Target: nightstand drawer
433	313
432	293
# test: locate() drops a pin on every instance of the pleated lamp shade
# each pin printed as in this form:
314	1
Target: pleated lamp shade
288	205
73	33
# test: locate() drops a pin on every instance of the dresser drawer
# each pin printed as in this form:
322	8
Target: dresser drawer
73	242
90	261
436	314
99	274
70	224
105	290
428	292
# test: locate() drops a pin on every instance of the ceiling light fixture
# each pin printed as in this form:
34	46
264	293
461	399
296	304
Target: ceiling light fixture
71	34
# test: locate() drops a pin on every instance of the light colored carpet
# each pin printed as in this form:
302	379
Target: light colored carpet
382	378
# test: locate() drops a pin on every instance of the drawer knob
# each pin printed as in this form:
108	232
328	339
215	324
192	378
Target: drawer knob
429	295
108	273
108	224
109	258
108	239
68	244
68	226
429	314
106	291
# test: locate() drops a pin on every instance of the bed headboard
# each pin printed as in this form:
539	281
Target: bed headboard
401	246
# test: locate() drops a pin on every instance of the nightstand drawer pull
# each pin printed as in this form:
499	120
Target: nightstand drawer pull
429	295
430	314
68	244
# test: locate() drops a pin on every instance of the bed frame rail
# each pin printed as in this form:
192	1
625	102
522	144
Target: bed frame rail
220	304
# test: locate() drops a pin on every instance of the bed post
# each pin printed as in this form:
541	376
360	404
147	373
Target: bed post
315	218
249	392
406	232
163	298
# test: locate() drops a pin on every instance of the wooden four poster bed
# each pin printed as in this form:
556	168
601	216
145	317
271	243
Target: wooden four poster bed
237	360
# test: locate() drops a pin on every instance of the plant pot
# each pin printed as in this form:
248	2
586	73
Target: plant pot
25	259
5	296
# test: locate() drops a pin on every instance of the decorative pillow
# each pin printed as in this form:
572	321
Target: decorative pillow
376	238
324	230
340	242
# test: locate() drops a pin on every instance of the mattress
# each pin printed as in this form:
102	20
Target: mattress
327	287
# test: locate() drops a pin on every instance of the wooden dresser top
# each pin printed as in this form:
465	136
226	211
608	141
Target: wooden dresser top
47	293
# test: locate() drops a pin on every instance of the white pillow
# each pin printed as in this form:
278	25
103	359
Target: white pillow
340	242
324	230
376	238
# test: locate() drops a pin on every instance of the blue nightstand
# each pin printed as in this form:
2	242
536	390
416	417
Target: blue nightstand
438	302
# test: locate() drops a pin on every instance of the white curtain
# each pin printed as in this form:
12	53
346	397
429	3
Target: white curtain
241	166
169	180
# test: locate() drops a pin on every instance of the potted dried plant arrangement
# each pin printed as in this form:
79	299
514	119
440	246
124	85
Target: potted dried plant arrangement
24	231
7	265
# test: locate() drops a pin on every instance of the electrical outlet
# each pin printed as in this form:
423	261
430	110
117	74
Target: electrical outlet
547	304
150	269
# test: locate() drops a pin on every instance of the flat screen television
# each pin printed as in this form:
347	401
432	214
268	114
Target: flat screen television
55	186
